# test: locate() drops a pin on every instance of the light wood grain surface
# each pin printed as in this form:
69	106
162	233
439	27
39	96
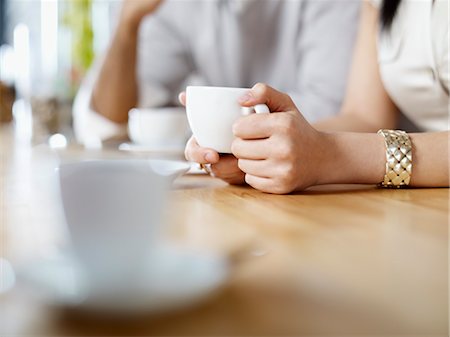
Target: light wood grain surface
336	260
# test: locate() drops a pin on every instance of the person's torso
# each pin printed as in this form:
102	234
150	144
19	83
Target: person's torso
413	59
239	43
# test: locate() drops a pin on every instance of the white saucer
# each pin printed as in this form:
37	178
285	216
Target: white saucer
168	149
174	279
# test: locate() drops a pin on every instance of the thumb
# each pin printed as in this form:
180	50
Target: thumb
182	97
264	94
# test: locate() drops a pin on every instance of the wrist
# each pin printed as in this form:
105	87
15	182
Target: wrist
129	24
331	159
352	158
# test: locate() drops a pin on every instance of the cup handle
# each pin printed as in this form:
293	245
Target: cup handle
258	108
261	109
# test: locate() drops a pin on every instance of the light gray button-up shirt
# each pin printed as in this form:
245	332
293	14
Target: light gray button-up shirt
301	47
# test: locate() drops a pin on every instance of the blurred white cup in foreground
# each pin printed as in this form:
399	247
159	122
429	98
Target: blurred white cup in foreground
113	211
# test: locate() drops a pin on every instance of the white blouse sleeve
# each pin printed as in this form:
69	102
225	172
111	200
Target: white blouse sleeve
441	35
444	70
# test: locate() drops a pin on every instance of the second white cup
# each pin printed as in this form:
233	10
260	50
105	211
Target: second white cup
158	128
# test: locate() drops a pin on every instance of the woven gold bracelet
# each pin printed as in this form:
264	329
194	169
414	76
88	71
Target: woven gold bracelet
398	158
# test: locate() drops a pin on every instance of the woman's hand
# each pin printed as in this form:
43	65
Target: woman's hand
224	167
278	152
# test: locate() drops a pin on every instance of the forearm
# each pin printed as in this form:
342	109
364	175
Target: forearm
346	122
116	89
342	123
430	159
361	158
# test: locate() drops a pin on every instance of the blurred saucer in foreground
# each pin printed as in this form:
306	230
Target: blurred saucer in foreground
174	279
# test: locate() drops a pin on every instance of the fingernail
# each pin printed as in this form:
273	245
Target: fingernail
244	99
209	157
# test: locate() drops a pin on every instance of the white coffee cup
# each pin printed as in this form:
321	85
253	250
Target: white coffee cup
159	127
113	211
211	112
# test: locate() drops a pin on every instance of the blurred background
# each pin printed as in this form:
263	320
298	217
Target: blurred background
46	48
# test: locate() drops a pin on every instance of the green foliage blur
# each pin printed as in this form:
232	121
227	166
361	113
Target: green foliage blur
78	19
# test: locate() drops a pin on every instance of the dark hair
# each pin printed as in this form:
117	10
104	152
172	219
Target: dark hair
2	21
388	11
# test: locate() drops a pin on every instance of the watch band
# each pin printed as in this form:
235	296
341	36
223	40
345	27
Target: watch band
398	158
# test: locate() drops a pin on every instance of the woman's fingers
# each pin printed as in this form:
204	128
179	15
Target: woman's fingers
224	167
267	185
260	168
250	149
228	170
260	183
254	126
198	154
263	94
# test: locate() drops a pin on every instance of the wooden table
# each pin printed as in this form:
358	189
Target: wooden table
332	260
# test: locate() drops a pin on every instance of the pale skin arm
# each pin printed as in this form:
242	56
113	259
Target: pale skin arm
281	152
361	158
367	107
117	76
